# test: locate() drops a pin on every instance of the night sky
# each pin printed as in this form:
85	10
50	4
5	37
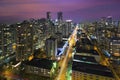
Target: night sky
78	10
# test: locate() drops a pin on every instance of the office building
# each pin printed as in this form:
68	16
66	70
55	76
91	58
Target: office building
103	21
48	15
65	30
53	29
0	40
56	28
24	41
58	35
60	16
51	47
118	26
69	24
118	30
115	46
7	38
109	21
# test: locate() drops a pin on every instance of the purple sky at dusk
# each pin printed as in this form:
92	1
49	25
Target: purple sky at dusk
78	10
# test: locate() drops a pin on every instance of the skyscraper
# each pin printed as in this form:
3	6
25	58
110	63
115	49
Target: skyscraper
59	37
69	25
0	40
118	26
60	16
51	47
66	28
24	41
48	15
109	21
103	21
6	39
65	31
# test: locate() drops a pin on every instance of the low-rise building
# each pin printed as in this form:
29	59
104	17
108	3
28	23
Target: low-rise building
41	67
86	68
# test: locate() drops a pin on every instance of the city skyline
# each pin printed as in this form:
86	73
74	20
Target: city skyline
48	49
77	10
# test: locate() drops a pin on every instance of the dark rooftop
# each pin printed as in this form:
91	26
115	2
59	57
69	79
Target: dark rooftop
85	58
93	52
96	69
86	41
41	63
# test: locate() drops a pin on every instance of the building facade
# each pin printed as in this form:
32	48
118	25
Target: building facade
65	30
87	68
24	41
115	45
60	16
7	38
41	67
51	47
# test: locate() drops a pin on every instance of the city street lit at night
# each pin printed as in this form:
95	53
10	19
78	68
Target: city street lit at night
59	40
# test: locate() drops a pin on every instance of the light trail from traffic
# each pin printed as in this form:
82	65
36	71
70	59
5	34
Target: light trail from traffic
62	73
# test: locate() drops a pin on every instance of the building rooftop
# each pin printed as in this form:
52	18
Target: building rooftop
89	68
86	41
92	52
85	58
41	63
